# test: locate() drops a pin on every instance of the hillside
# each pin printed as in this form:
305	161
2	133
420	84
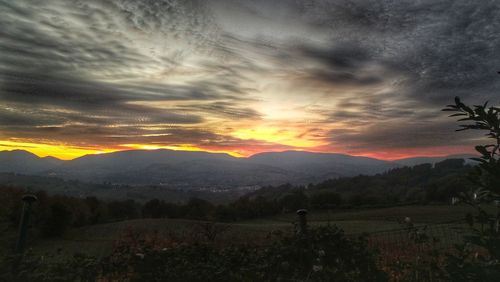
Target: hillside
107	191
420	183
195	170
188	170
20	161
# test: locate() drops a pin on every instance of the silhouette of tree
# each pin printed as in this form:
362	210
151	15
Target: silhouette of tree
326	200
58	220
469	265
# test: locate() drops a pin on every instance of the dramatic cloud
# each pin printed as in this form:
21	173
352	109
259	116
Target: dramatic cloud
355	76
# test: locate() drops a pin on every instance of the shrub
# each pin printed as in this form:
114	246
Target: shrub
479	258
325	200
57	221
324	254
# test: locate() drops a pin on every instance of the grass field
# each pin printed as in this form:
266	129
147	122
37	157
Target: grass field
373	220
98	240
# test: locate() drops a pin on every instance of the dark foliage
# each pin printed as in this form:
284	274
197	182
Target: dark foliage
57	220
326	200
479	258
424	183
127	209
325	254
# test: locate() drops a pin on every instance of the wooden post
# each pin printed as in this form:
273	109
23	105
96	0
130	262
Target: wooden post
23	225
497	221
302	230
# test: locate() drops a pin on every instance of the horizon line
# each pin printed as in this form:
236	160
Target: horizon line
236	156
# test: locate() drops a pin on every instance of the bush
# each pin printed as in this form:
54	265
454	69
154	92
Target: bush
324	254
29	267
325	200
123	209
58	220
294	201
479	258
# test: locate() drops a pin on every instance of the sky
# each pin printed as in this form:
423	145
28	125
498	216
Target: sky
359	77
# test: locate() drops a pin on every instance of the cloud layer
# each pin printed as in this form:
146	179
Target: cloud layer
360	77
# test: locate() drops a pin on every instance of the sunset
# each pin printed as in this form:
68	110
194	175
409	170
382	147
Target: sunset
362	78
250	140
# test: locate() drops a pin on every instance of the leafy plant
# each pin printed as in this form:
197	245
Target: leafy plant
479	258
482	117
36	268
325	254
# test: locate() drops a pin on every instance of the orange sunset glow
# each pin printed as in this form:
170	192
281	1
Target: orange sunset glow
238	80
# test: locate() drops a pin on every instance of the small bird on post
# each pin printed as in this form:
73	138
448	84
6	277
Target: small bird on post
28	199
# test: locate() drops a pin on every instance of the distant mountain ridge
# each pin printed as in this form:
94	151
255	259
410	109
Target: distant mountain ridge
433	160
20	161
200	170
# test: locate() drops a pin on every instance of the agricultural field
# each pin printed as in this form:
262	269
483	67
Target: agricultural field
418	213
98	240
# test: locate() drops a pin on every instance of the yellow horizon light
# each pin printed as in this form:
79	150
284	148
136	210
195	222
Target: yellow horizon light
60	151
65	152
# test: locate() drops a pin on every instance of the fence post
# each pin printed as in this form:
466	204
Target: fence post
497	221
23	225
302	230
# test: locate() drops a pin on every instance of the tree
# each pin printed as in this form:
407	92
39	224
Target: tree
153	209
470	265
58	220
95	208
123	209
486	176
450	164
294	201
198	208
481	117
325	200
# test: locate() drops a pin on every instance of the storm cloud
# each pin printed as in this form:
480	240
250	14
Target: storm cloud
353	76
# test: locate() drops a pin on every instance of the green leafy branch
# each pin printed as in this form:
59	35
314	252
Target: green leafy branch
474	266
482	117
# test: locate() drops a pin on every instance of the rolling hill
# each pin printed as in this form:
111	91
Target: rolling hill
24	162
433	160
198	170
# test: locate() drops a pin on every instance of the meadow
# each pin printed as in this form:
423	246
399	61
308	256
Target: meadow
98	240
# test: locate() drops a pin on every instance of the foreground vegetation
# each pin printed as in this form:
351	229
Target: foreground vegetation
98	239
100	250
320	254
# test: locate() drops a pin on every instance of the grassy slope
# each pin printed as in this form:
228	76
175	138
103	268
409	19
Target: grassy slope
98	239
373	220
422	214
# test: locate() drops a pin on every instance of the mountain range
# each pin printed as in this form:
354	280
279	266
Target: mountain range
202	170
